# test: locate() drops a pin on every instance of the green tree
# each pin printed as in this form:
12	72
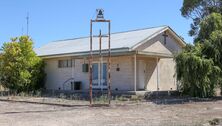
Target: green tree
212	50
198	10
198	75
208	25
21	69
199	67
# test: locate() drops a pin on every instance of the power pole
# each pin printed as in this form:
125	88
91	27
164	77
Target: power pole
22	31
27	21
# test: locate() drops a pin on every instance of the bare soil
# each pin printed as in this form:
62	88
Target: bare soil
118	114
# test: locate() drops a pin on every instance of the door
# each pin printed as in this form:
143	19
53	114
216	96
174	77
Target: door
99	71
141	75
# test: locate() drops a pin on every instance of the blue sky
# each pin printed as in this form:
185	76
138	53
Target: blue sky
52	20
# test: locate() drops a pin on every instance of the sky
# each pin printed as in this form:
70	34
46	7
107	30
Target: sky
51	20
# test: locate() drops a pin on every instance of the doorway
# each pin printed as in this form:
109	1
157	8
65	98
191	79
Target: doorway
99	71
141	74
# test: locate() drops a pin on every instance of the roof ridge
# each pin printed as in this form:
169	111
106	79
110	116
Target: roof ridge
70	39
139	29
114	33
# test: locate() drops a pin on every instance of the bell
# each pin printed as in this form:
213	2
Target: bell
100	14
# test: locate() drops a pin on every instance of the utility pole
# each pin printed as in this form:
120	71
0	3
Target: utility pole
22	31
27	21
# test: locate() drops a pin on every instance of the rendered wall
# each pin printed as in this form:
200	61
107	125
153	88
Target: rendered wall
121	80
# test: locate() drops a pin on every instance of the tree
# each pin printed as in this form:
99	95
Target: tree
199	67
208	25
198	10
21	69
212	50
198	75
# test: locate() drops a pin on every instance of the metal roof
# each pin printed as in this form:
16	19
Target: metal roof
128	39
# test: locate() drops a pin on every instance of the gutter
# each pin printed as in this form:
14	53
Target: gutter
118	51
155	54
114	52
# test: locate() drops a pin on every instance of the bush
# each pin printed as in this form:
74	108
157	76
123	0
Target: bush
198	76
21	70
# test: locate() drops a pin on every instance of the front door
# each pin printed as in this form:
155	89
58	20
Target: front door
141	76
99	75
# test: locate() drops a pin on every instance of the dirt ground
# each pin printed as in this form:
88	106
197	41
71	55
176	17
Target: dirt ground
122	114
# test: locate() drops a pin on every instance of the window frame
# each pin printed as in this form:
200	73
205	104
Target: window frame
65	63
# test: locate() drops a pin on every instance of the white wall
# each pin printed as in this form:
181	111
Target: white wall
122	80
166	70
165	74
156	44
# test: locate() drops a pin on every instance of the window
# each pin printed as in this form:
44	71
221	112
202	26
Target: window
69	63
85	67
65	63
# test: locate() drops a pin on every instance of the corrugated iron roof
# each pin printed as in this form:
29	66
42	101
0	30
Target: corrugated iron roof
119	40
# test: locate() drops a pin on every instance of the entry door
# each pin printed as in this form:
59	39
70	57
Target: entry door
99	71
141	75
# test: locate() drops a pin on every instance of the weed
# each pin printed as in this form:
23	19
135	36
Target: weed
101	99
214	122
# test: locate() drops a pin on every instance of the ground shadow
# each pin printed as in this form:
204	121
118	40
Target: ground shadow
37	111
43	103
174	97
181	100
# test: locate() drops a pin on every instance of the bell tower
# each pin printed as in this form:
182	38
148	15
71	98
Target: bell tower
100	19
